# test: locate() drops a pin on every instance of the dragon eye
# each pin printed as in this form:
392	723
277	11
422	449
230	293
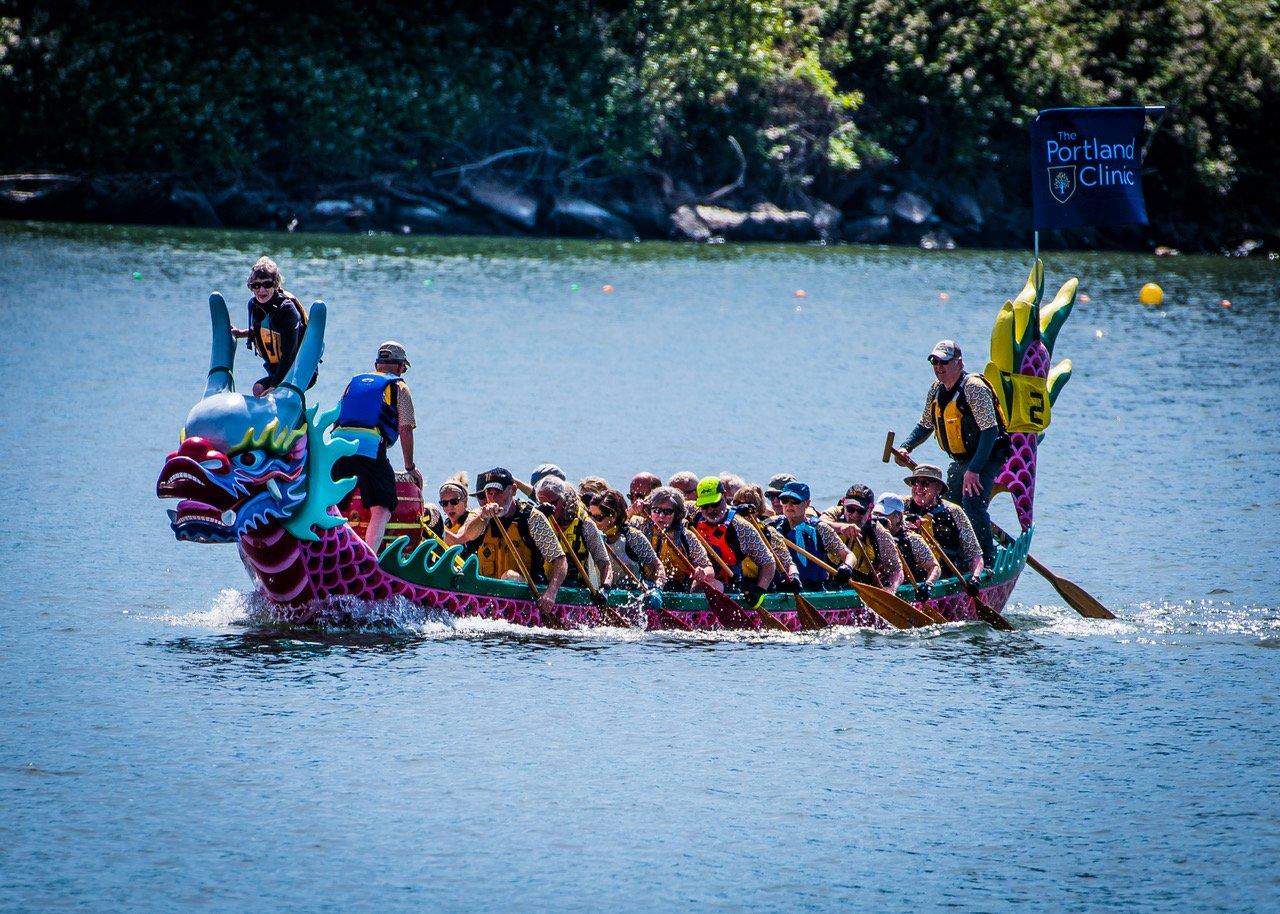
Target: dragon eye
250	459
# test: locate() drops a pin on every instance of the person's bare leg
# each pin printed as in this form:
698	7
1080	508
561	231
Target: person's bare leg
379	517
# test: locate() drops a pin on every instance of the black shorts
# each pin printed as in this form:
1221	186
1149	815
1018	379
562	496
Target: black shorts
374	478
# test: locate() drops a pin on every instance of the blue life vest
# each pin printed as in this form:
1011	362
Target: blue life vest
368	414
805	535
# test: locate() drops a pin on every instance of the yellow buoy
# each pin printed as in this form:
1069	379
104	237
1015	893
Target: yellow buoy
1151	294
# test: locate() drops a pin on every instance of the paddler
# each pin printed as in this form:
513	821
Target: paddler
875	557
641	485
774	489
946	522
528	531
686	483
815	536
276	324
626	544
453	503
912	549
377	410
561	502
962	411
734	541
665	530
749	502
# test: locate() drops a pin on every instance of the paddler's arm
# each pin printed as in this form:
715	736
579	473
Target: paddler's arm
923	429
759	553
553	557
599	553
887	553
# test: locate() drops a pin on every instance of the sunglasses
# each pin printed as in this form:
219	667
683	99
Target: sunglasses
854	508
598	518
263	284
450	502
636	496
666	512
789	501
745	508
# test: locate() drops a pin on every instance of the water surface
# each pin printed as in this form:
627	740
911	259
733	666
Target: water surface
162	748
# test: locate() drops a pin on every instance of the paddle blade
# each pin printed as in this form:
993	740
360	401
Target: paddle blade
810	619
730	614
1080	600
989	615
874	600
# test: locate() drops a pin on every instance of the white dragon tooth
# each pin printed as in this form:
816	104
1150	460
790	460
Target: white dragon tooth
274	488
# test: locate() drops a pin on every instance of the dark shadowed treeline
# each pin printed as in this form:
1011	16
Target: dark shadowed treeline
874	119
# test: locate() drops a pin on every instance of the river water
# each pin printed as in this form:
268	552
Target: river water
162	750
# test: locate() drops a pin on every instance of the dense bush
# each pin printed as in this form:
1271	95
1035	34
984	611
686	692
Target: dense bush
812	93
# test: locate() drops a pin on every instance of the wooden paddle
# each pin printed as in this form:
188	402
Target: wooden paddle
767	618
925	608
667	615
985	612
810	618
553	621
890	607
729	613
611	615
1075	595
457	559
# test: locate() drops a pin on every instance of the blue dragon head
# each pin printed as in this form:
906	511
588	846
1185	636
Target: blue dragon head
246	462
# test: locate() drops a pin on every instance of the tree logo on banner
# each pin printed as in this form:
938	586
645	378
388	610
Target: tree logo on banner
1062	182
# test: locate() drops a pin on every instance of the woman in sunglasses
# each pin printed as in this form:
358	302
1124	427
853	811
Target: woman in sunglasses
277	321
453	504
665	531
626	545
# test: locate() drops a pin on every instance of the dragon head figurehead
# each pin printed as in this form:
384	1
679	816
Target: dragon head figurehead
247	462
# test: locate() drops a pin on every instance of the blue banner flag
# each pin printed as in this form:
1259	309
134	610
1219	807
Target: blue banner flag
1086	167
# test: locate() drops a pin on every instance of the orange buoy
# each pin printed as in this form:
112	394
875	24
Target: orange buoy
606	288
943	296
1151	294
801	293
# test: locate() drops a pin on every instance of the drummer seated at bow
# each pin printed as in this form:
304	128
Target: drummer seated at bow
630	552
875	557
534	547
813	535
559	501
741	557
678	549
942	521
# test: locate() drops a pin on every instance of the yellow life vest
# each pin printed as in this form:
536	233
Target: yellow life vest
494	556
954	427
574	540
667	555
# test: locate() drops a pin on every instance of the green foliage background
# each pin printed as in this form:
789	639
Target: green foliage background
821	96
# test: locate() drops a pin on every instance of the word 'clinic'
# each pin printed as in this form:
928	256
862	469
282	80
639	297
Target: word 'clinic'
1098	170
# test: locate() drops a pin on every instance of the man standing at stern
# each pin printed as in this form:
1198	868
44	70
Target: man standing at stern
962	412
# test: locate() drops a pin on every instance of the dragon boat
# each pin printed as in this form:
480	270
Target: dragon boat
258	472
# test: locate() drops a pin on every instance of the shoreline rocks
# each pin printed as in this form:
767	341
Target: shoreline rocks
908	211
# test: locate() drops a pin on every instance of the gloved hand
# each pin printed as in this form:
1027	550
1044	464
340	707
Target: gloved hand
752	596
922	592
844	574
792	585
600	597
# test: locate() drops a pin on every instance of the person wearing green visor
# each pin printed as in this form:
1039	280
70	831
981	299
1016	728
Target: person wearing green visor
749	562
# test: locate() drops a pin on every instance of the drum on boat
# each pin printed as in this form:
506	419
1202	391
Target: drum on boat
406	520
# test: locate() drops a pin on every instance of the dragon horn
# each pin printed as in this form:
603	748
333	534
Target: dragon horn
288	395
223	355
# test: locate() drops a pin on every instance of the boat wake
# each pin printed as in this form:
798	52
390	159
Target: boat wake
1150	623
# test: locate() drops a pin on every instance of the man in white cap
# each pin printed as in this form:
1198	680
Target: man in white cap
916	555
376	411
963	413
